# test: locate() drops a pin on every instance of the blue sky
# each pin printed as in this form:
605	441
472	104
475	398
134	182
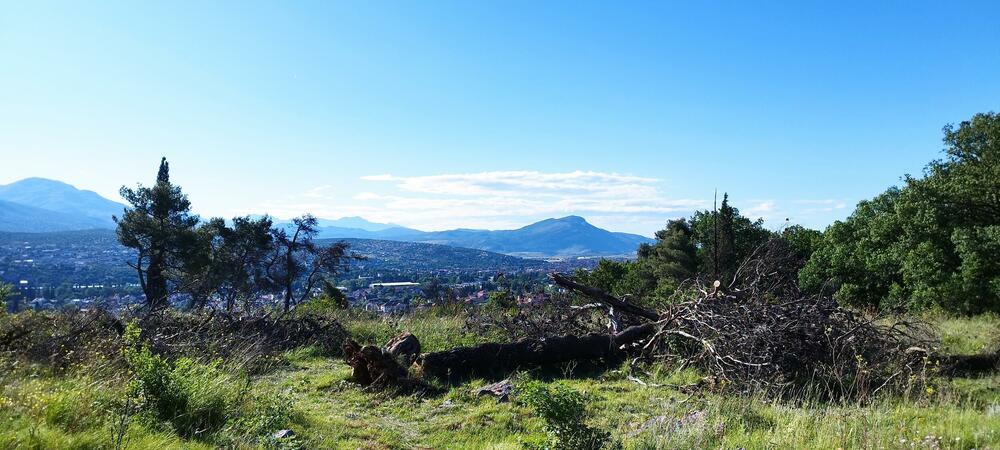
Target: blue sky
493	114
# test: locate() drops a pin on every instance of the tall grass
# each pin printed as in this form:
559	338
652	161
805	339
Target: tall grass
438	328
149	403
208	404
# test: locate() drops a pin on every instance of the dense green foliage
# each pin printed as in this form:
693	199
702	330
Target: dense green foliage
230	262
686	249
930	243
737	236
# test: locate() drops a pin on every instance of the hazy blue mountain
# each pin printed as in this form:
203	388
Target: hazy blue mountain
567	236
88	209
15	217
41	205
354	227
357	223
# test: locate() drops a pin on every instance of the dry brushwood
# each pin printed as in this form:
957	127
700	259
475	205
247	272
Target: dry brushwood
755	341
554	318
222	335
60	338
758	331
770	336
605	298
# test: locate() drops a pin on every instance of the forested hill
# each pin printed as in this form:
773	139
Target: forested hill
422	257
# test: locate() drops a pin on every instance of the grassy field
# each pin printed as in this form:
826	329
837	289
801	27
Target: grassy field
310	394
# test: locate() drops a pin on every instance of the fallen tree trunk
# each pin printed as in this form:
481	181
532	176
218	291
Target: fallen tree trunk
604	297
492	359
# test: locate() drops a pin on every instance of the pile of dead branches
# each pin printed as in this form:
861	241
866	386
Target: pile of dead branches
803	343
59	339
556	318
755	339
220	335
62	338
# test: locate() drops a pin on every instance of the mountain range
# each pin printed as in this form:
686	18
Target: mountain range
42	205
566	236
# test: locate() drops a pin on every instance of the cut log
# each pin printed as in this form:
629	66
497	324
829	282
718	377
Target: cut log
371	365
491	359
375	368
603	297
405	347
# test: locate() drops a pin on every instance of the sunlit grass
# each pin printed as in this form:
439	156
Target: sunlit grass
967	335
436	329
77	409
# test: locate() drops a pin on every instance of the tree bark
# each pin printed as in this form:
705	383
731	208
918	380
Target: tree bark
603	297
492	359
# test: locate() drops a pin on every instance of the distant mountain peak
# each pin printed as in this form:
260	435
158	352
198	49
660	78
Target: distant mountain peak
74	209
39	182
357	222
564	236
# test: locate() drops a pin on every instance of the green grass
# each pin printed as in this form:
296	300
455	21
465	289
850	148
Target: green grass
437	329
336	414
967	335
76	409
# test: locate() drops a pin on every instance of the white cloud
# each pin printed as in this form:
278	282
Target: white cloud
764	209
822	206
524	183
529	193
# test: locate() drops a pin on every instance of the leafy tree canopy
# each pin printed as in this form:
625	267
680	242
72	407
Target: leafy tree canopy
931	243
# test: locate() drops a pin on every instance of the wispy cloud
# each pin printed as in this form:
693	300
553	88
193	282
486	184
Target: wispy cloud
821	206
524	183
763	209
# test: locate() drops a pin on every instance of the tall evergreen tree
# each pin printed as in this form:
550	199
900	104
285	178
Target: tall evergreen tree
673	255
725	239
159	225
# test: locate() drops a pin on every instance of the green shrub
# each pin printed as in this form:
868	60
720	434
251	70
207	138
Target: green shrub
563	410
199	400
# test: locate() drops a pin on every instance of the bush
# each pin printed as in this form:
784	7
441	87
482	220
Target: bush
564	410
198	400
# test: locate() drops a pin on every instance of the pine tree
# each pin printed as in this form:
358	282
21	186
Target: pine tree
727	261
159	225
673	255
